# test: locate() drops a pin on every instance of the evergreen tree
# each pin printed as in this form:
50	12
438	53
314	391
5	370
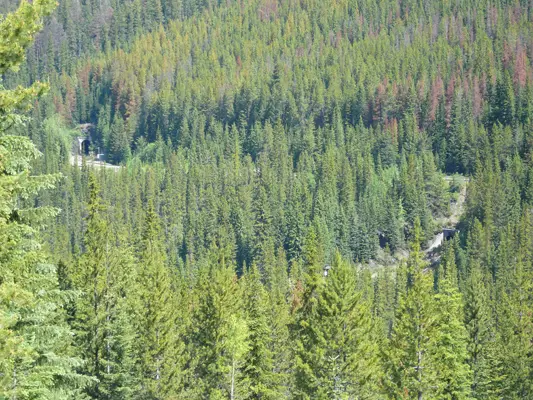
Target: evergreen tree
277	134
279	319
36	353
259	363
336	354
479	324
157	344
219	335
17	33
454	373
515	330
411	370
36	360
104	335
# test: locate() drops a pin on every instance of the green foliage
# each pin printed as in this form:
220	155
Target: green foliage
482	350
157	343
37	358
284	137
411	363
17	32
454	373
219	335
336	356
259	363
104	333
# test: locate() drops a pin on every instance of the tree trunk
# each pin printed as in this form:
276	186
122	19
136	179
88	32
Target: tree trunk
232	390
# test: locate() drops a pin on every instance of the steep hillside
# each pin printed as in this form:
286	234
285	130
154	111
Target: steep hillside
311	65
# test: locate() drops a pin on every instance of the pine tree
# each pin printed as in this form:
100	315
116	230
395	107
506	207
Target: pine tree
410	366
263	220
304	304
17	32
157	344
279	319
219	334
237	347
336	356
295	223
36	354
104	335
36	360
259	365
515	329
481	335
383	302
119	142
454	373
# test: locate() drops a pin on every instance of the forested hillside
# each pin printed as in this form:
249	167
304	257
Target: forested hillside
281	167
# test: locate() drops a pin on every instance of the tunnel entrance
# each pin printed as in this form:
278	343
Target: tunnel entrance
85	147
449	233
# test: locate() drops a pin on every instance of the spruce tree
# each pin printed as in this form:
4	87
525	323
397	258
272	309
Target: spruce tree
450	353
409	359
336	356
259	365
515	329
279	319
219	334
480	326
158	347
36	360
104	335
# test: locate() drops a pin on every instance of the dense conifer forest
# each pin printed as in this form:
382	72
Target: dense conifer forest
266	199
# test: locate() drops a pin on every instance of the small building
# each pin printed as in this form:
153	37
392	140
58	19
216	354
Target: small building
326	269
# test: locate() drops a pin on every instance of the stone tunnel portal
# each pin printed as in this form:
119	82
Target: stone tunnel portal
85	146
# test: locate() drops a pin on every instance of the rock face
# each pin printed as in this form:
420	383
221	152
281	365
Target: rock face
436	242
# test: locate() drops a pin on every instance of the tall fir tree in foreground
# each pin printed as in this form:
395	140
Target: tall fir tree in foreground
104	332
514	294
451	355
159	350
482	350
259	366
219	336
409	360
36	354
336	354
